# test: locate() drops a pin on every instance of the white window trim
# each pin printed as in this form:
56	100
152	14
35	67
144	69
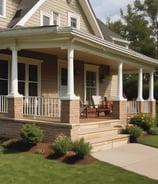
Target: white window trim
38	64
52	18
3	9
42	13
73	15
50	15
92	68
26	61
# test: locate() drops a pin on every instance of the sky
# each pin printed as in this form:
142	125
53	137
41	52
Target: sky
109	8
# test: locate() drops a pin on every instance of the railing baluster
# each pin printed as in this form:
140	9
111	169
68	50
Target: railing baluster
41	106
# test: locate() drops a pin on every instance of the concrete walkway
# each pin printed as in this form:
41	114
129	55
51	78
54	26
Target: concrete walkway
133	157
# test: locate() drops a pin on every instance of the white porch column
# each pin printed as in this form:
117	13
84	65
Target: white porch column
14	74
120	83
151	87
140	85
70	88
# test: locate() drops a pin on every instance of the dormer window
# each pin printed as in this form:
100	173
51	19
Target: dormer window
2	8
74	20
49	18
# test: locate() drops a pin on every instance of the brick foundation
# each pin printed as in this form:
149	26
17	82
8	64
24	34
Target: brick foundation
70	112
15	105
11	128
120	111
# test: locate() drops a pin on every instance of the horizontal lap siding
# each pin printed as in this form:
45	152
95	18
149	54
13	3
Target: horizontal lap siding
49	86
61	7
11	6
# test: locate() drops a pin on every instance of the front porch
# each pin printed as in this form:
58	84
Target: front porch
49	109
44	76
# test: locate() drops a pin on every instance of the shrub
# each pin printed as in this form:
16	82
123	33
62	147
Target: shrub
61	145
6	144
153	131
145	121
81	148
134	132
31	134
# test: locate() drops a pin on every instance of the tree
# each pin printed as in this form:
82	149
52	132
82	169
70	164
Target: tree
139	26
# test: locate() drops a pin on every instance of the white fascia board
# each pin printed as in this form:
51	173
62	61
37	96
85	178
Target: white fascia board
91	18
30	13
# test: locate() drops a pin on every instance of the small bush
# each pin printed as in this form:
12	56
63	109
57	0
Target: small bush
145	121
81	148
31	134
6	144
153	131
61	145
39	152
134	132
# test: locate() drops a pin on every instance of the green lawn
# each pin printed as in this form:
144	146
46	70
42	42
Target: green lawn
26	168
151	140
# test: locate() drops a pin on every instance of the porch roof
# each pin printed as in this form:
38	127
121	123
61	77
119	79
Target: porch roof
56	37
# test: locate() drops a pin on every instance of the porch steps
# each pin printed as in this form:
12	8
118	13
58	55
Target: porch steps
103	135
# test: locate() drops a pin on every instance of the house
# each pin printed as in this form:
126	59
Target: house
54	53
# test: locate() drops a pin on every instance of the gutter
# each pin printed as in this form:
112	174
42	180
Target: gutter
37	31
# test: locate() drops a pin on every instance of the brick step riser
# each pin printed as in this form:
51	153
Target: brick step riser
91	136
110	144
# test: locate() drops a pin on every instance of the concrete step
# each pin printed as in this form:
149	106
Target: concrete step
99	124
109	142
90	134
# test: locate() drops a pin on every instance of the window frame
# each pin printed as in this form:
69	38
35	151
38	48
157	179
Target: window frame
27	81
76	17
3	6
51	18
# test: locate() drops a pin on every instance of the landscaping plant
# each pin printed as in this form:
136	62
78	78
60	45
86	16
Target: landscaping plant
62	144
145	121
31	134
134	132
81	148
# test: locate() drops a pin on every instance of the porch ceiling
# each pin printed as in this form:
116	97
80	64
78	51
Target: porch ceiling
87	58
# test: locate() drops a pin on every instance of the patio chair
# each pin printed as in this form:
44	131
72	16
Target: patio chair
102	106
85	110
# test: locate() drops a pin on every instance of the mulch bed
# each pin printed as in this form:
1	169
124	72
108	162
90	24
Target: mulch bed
45	149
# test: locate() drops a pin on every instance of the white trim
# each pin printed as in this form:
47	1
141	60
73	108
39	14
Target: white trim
92	68
75	16
61	63
3	9
30	13
42	14
91	17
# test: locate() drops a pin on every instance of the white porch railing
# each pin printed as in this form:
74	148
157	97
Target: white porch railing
41	106
3	104
147	106
132	107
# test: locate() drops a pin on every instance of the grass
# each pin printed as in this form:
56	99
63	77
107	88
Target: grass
151	140
26	168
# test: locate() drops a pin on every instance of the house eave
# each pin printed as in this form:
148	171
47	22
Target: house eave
71	34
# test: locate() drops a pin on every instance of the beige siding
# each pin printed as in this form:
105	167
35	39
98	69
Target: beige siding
49	78
11	6
62	8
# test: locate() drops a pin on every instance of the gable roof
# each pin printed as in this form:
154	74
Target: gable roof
27	8
23	8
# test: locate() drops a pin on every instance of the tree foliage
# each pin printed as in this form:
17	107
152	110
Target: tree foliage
139	26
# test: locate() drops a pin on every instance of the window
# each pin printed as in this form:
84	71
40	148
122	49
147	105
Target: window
55	18
49	18
46	20
73	20
91	83
2	7
28	79
3	77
